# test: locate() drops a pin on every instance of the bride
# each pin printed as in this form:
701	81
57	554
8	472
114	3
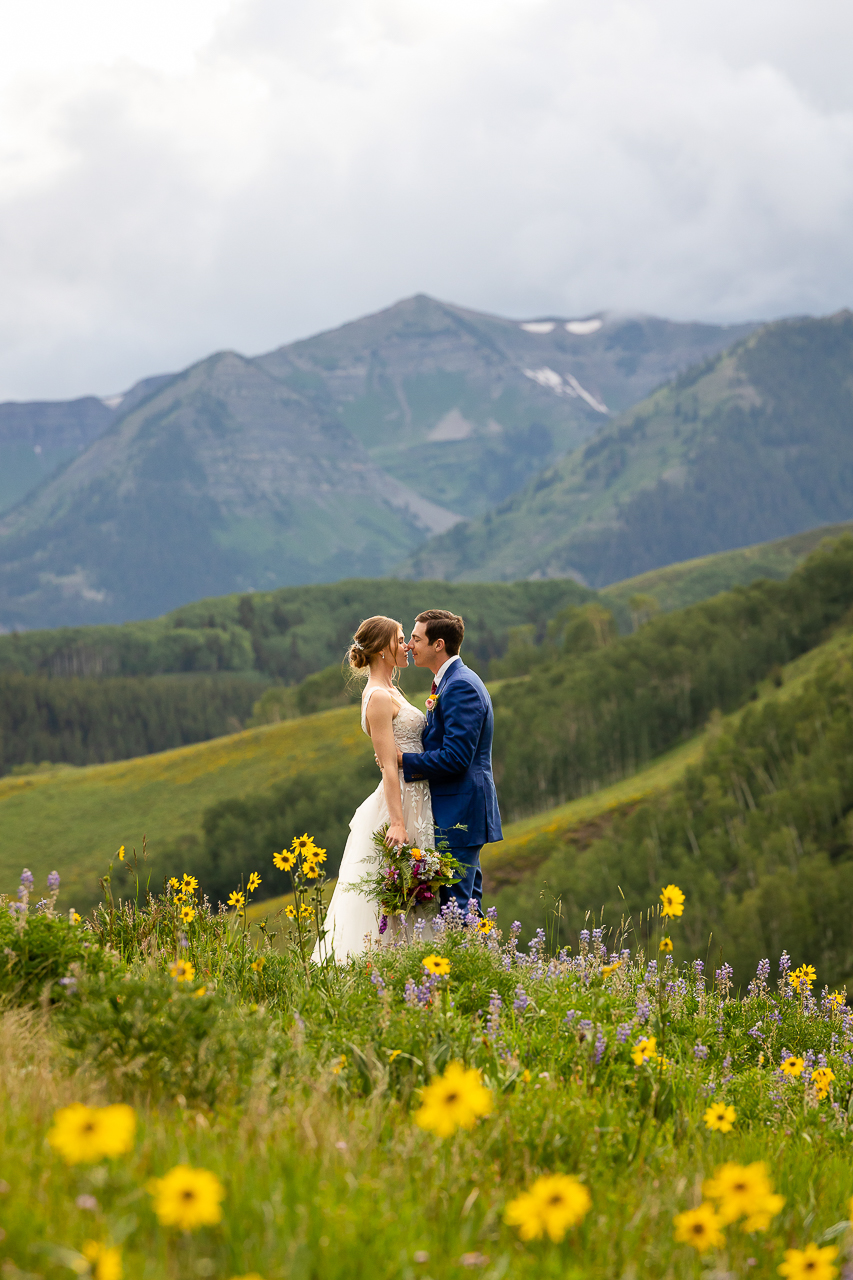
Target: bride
378	651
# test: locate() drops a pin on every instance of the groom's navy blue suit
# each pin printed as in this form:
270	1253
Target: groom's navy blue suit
457	760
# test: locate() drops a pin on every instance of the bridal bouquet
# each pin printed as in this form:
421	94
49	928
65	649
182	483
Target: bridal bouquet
407	877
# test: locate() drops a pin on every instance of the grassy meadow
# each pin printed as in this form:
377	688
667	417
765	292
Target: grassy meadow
177	1100
75	819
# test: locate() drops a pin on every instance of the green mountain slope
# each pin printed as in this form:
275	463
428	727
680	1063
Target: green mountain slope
754	445
327	458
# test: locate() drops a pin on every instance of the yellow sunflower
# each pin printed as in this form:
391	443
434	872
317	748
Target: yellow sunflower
284	860
699	1227
187	1198
719	1117
106	1261
253	882
454	1101
437	965
83	1135
811	1263
741	1190
553	1204
183	970
672	900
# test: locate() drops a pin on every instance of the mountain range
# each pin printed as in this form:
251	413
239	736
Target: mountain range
336	456
754	444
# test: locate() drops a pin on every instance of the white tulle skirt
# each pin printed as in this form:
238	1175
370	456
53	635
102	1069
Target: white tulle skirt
352	921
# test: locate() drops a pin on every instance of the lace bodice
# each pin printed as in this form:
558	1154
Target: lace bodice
408	722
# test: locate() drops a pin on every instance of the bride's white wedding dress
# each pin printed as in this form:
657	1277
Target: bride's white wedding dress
352	921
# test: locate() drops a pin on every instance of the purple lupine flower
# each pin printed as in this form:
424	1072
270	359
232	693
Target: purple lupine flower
584	936
183	941
623	1032
600	1046
378	981
698	969
756	1032
53	881
651	971
784	963
493	1022
570	1017
700	1051
625	955
27	881
643	1009
410	994
70	984
515	928
584	1027
383	924
725	973
492	914
522	999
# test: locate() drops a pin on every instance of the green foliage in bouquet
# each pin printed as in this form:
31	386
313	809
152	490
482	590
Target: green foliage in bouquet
408	877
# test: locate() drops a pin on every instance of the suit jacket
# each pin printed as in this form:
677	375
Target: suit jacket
457	760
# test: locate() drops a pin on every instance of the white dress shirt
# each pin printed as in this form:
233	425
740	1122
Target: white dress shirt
443	670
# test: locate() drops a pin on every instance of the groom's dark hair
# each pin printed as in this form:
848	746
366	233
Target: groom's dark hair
443	625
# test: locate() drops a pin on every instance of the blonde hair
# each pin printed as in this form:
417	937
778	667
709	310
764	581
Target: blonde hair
374	635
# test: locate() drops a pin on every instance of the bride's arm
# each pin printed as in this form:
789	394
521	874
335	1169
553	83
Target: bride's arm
380	722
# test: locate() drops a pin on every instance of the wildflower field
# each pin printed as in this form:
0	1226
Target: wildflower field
182	1096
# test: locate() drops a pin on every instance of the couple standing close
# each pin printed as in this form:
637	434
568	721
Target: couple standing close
436	769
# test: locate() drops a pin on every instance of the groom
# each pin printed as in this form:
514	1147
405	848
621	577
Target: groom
457	754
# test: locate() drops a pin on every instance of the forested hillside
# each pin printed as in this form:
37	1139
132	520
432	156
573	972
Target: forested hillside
287	634
758	834
582	721
88	721
753	445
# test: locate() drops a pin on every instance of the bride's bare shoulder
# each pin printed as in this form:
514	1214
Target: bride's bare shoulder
377	700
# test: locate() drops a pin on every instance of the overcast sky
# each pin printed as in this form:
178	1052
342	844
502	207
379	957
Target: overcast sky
179	176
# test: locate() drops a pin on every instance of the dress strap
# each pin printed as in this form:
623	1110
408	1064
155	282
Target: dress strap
368	694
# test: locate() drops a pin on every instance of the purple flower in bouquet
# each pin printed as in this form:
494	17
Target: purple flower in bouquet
383	924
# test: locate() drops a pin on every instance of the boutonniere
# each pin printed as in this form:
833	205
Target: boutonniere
431	702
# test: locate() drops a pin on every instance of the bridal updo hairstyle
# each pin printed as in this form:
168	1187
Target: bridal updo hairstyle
440	624
374	635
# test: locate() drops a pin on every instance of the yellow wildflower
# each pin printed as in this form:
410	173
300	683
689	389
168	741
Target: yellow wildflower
607	969
454	1100
719	1117
742	1190
199	992
644	1049
759	1219
284	860
253	882
699	1227
258	964
187	914
290	911
393	1055
803	977
236	899
811	1263
174	882
665	944
83	1135
822	1078
305	912
74	916
792	1066
121	853
526	1076
339	1064
183	970
318	855
553	1204
437	965
838	998
485	926
303	844
310	868
187	1198
673	901
106	1262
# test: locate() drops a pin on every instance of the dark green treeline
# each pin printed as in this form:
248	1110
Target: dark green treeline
583	721
759	836
88	721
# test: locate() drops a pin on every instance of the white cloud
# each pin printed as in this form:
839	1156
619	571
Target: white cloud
182	176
